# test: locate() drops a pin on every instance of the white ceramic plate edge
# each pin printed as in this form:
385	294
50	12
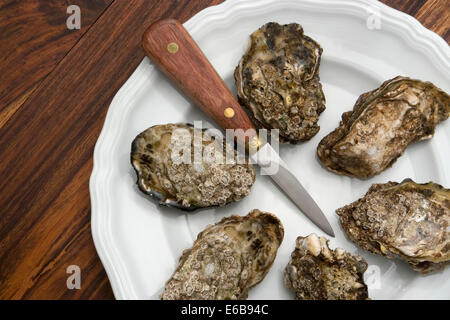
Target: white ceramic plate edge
418	36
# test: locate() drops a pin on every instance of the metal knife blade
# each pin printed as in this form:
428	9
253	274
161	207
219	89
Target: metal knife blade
272	165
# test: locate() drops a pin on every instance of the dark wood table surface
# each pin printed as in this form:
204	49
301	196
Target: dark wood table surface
55	89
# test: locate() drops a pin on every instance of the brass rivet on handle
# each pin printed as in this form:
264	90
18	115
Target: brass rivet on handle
172	47
228	112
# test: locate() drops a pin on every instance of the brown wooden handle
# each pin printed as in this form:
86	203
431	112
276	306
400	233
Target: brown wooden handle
174	51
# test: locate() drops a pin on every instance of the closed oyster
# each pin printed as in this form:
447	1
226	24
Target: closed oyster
227	259
163	158
406	220
316	272
278	81
382	124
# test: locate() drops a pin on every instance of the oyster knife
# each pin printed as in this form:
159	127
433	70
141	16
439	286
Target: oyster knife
173	50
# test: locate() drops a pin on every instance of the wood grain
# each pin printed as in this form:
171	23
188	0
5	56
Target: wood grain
34	38
410	7
55	89
435	15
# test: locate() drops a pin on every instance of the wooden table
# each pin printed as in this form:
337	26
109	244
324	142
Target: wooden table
56	86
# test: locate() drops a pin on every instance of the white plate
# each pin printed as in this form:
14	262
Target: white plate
139	242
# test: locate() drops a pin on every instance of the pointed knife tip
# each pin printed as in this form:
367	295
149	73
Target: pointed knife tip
329	231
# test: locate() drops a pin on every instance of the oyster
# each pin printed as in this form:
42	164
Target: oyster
278	81
163	158
406	220
316	272
382	124
227	259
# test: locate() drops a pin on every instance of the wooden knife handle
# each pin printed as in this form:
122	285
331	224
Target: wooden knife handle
174	51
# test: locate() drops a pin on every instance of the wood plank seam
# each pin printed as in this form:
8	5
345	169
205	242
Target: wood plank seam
20	100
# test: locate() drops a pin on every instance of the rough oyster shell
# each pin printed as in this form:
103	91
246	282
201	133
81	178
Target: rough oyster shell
278	81
406	220
187	186
382	124
316	272
227	259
